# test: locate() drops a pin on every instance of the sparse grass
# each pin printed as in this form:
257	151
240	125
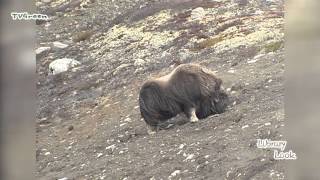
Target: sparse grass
273	46
207	43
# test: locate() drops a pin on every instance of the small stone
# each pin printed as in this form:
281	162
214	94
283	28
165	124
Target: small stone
70	128
197	13
127	119
59	45
46	1
47	153
42	50
64	178
175	173
112	147
229	173
183	55
237	118
189	157
119	68
38	4
231	71
252	61
245	126
267	124
99	155
122	124
139	62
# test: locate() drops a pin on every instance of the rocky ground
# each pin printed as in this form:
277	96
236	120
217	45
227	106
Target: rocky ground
88	120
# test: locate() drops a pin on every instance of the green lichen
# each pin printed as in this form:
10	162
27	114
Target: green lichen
273	46
207	43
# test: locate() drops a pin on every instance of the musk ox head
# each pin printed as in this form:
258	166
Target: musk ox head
189	89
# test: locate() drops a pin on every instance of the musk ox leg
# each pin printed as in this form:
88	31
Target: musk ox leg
193	117
152	129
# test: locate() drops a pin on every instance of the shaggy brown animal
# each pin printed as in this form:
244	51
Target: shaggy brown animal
189	88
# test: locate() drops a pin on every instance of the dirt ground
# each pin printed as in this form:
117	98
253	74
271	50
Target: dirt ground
88	121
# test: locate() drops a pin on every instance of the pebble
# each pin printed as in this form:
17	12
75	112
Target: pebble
231	71
46	1
64	178
99	155
42	50
245	126
112	147
127	119
139	62
175	173
119	68
197	13
267	124
181	146
189	157
60	45
252	61
70	128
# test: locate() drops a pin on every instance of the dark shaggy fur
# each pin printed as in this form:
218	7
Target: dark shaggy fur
187	86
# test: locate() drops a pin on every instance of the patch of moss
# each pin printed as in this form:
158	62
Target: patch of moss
274	46
207	43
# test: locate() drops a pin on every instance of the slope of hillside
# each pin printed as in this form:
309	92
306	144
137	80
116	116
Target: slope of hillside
88	122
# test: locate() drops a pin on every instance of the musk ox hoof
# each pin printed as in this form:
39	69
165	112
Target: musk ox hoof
194	119
151	130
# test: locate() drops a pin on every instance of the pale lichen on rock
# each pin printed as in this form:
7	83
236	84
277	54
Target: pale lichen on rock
137	34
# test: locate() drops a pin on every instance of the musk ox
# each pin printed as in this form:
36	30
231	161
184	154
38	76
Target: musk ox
189	89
